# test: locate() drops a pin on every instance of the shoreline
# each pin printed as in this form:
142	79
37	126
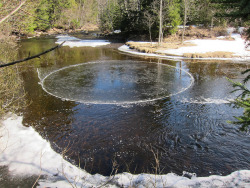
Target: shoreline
126	49
237	47
27	154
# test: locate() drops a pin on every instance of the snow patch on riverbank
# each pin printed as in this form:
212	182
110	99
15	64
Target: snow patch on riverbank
26	153
125	48
76	42
236	46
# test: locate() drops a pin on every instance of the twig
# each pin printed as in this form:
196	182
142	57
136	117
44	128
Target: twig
7	141
32	57
40	170
111	177
13	12
63	167
66	177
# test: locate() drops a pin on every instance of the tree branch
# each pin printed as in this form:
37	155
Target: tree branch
15	10
31	57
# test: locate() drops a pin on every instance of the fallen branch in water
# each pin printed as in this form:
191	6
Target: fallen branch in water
31	57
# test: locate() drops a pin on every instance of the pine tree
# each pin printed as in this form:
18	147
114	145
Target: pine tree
239	9
49	11
173	16
235	10
242	101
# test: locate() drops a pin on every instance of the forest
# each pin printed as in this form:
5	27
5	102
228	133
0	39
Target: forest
151	17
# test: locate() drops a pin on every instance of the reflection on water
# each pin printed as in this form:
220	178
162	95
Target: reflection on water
116	82
187	136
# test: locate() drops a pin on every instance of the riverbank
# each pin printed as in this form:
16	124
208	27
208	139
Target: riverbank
217	49
200	43
25	153
31	154
220	48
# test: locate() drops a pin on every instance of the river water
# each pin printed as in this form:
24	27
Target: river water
103	108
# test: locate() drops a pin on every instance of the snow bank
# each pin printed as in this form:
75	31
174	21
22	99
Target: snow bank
236	46
125	48
76	42
26	153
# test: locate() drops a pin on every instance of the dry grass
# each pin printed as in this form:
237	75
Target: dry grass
202	33
142	47
192	33
154	47
218	54
174	42
229	38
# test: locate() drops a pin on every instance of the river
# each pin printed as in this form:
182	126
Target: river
102	107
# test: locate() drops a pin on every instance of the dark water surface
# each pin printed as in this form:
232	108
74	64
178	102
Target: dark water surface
87	111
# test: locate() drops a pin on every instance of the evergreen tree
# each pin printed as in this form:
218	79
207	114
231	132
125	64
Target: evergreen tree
236	10
202	12
173	16
49	11
110	15
242	101
132	14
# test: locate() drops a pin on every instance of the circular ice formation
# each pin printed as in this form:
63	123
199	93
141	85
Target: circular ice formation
116	82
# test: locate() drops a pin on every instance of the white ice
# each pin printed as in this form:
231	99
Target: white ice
76	42
202	100
26	153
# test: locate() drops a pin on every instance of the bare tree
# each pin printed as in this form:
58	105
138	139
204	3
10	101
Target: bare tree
149	20
160	26
186	6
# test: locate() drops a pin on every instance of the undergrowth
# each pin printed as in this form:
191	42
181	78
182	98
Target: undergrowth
11	85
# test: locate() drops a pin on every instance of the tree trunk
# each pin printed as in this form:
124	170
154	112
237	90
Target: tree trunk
160	28
185	20
150	35
212	23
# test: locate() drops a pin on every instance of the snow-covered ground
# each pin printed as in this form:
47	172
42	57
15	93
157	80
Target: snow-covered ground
26	153
236	46
76	42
